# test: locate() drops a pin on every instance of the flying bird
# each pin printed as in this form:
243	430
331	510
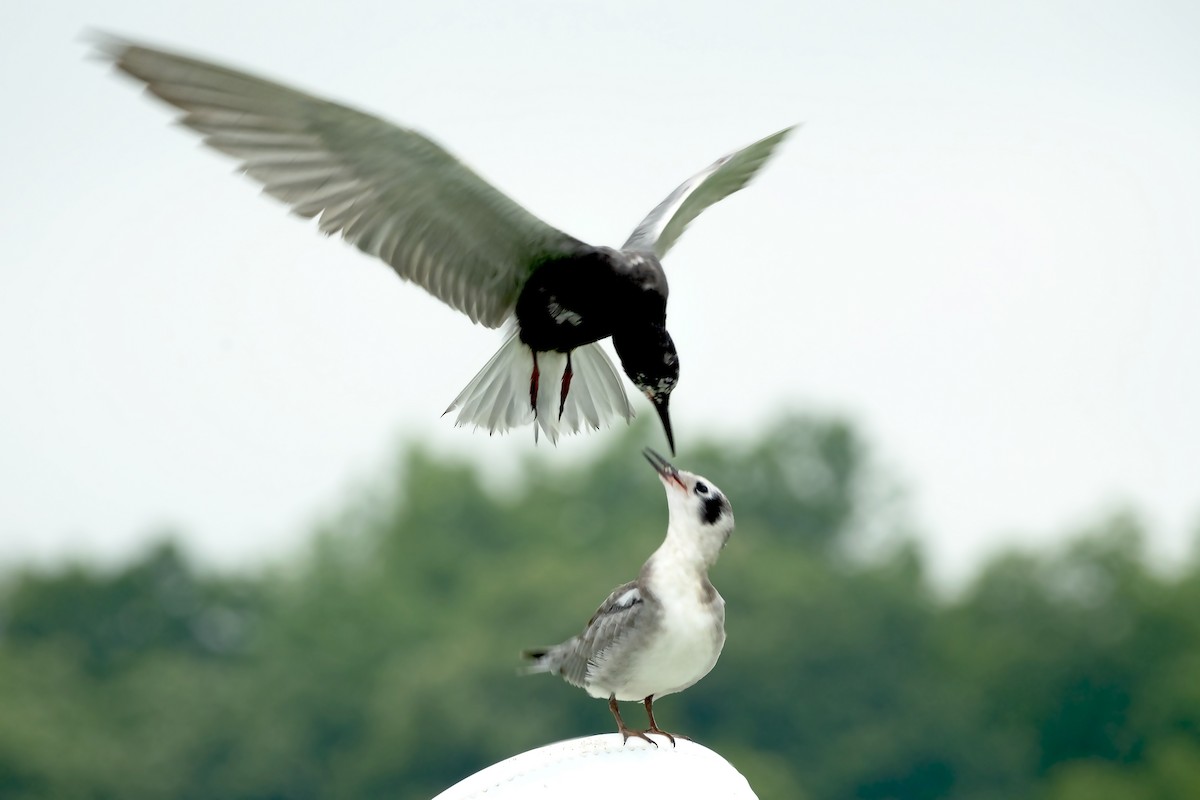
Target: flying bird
661	633
398	196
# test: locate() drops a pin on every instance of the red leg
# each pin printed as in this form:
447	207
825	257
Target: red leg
649	702
566	385
533	384
621	729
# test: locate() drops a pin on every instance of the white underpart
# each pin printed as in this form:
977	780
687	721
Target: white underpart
688	641
497	399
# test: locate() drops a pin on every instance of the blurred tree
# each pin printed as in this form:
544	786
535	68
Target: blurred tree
156	604
382	662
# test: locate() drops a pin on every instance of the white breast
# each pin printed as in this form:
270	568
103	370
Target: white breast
683	648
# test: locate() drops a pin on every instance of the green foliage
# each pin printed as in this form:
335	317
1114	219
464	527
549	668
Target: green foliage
383	661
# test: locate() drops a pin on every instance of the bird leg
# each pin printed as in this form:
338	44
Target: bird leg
566	385
533	384
649	702
621	729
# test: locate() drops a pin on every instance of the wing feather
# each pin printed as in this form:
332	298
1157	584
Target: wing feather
658	232
388	190
615	617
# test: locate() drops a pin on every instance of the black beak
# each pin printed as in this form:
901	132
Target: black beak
664	468
660	405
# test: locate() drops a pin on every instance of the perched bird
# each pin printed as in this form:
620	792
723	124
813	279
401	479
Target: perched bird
399	196
661	633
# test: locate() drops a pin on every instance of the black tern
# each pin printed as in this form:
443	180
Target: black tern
398	196
663	632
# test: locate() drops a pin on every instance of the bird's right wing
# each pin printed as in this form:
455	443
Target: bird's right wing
388	190
616	617
667	222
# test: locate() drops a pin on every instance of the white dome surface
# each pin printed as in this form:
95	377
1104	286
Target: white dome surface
601	768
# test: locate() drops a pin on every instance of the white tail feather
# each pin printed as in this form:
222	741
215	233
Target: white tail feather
551	367
597	394
497	399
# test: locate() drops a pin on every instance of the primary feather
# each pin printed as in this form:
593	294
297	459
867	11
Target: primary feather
663	226
388	190
402	198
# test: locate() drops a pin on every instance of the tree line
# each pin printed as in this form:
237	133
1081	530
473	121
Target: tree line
381	662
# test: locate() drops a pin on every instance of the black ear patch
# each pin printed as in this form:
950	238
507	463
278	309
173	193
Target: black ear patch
714	507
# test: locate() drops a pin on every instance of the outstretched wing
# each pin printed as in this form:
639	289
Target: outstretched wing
388	190
618	616
658	232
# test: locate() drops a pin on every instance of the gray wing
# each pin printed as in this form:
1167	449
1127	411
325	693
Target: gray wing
624	612
389	191
658	232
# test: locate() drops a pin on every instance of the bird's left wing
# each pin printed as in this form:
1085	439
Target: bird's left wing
388	190
667	222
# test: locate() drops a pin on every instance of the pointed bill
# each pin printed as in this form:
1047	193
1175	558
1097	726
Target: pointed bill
660	405
665	469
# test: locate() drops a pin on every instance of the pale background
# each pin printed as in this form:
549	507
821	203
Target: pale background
982	246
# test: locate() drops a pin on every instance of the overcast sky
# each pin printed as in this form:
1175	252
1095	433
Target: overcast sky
982	246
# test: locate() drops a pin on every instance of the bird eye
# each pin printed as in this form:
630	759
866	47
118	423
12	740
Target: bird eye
701	488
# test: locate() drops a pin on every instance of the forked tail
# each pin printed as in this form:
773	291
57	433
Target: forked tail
559	393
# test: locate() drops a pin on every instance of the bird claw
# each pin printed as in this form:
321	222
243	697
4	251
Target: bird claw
671	736
628	732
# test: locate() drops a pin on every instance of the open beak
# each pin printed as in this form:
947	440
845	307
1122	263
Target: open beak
660	405
664	468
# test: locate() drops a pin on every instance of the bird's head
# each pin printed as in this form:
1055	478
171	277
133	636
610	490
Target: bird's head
698	509
648	357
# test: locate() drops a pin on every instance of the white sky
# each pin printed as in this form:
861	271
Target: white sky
982	245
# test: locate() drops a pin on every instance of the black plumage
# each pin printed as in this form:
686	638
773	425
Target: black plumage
397	195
